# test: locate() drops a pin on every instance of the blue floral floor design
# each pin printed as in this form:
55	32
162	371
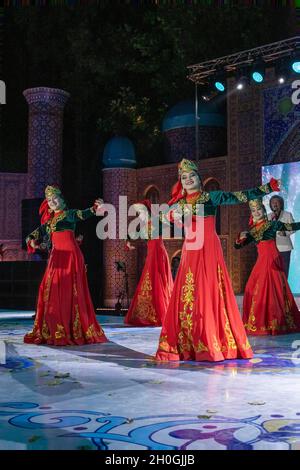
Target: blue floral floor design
114	396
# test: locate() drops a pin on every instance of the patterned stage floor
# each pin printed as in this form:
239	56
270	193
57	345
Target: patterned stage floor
114	396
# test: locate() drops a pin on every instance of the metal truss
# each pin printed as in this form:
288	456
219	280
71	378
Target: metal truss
200	73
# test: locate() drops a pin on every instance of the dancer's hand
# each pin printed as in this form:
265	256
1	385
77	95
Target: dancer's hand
130	246
243	235
98	202
98	206
33	244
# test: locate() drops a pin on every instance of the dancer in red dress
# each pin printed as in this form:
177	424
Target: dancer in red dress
151	298
65	313
269	307
203	322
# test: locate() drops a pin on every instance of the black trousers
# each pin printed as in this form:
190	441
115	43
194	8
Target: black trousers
286	257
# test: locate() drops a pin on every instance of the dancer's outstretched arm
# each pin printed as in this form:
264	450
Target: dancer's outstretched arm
76	215
35	238
286	227
243	239
221	198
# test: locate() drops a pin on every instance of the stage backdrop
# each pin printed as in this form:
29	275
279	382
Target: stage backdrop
289	173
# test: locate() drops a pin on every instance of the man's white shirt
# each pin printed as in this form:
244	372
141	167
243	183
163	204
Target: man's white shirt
283	242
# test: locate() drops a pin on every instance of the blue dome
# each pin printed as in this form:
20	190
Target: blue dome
183	115
119	152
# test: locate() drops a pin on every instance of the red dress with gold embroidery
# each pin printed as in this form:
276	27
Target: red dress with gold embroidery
269	307
203	322
151	299
65	313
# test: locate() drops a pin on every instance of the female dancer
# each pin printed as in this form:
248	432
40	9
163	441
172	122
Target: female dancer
203	322
151	299
65	314
269	307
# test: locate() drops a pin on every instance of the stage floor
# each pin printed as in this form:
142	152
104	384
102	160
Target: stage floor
114	396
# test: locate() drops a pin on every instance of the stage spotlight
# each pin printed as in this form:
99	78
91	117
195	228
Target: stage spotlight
208	93
219	86
294	62
242	83
219	79
296	66
258	72
282	71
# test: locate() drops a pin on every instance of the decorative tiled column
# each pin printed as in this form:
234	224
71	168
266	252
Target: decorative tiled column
118	181
245	127
46	106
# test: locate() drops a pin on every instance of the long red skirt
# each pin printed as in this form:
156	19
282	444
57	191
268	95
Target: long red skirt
269	307
203	322
151	299
65	313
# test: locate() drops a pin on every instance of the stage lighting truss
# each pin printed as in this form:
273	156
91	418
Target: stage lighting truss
282	71
268	54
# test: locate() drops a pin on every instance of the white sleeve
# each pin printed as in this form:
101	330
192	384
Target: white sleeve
290	221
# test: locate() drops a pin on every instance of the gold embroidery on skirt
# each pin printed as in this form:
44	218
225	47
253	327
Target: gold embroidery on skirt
46	292
92	333
77	329
287	305
250	326
144	308
36	330
45	331
165	346
60	332
228	332
75	289
185	338
200	347
246	345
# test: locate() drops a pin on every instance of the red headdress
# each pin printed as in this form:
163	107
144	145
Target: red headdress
177	190
44	210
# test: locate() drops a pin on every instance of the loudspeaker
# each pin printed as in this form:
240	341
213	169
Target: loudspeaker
30	217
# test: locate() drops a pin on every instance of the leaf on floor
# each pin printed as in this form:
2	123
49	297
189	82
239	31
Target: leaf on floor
52	383
204	416
155	382
211	411
62	375
257	402
34	438
44	374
